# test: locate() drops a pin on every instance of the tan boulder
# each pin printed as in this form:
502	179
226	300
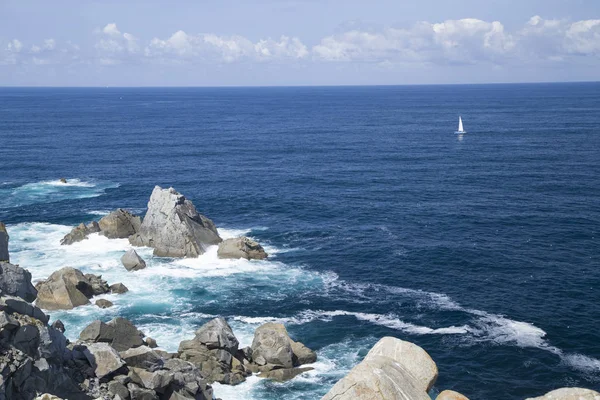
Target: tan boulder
63	290
241	247
569	394
451	395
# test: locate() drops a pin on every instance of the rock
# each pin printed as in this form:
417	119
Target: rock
118	389
187	381
569	394
80	232
47	396
103	303
392	370
142	357
120	333
118	288
284	374
7	322
302	354
4	256
132	261
173	227
119	224
59	326
16	281
217	334
63	180
157	380
150	342
98	285
241	247
63	290
103	358
137	393
16	305
271	345
450	395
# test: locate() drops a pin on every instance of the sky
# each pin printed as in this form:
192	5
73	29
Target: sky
297	42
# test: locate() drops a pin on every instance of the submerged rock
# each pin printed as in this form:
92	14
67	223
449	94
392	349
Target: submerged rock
173	227
569	394
241	247
392	370
118	288
16	281
63	290
132	261
103	303
119	224
4	256
80	232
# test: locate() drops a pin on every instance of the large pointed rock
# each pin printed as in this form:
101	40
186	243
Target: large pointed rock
16	281
242	247
273	347
120	224
3	243
63	290
173	227
392	370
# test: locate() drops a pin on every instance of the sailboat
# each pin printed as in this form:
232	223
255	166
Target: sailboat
460	130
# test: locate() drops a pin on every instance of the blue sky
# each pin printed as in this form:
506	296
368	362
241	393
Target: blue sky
296	42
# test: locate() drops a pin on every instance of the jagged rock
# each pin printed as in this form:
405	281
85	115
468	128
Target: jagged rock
173	227
80	232
7	322
569	394
120	333
187	381
63	290
273	347
119	224
217	333
283	374
142	357
98	285
150	342
118	389
157	380
103	358
4	256
12	305
392	370
132	261
103	303
59	326
118	288
137	393
450	395
16	281
242	247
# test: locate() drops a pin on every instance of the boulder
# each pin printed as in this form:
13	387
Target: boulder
150	342
187	381
97	285
173	227
16	281
120	333
392	370
142	357
3	243
272	346
157	380
103	358
116	388
132	261
80	232
103	303
283	374
65	289
119	224
138	393
242	247
450	395
59	326
16	305
569	394
118	288
217	334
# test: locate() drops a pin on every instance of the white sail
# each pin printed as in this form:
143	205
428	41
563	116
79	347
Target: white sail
460	125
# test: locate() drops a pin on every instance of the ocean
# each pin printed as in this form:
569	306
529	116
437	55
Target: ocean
380	221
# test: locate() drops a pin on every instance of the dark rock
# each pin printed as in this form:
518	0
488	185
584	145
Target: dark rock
7	322
173	227
242	247
132	261
12	304
59	326
63	180
137	393
120	333
119	224
16	281
117	388
98	331
103	303
63	290
4	256
118	288
80	232
97	285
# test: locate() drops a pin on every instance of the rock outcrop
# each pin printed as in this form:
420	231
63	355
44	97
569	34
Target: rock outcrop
68	288
16	281
242	247
569	394
392	370
450	395
80	232
132	261
4	256
272	348
173	227
119	224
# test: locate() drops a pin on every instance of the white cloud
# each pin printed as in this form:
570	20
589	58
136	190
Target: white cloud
49	44
111	29
14	46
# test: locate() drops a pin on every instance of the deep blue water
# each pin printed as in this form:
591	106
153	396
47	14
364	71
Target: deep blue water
482	249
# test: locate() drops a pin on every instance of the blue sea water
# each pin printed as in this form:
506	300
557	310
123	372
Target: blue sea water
483	249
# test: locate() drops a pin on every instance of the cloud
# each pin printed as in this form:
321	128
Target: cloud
111	29
45	52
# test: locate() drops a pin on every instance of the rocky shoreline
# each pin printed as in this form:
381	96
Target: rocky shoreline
115	360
